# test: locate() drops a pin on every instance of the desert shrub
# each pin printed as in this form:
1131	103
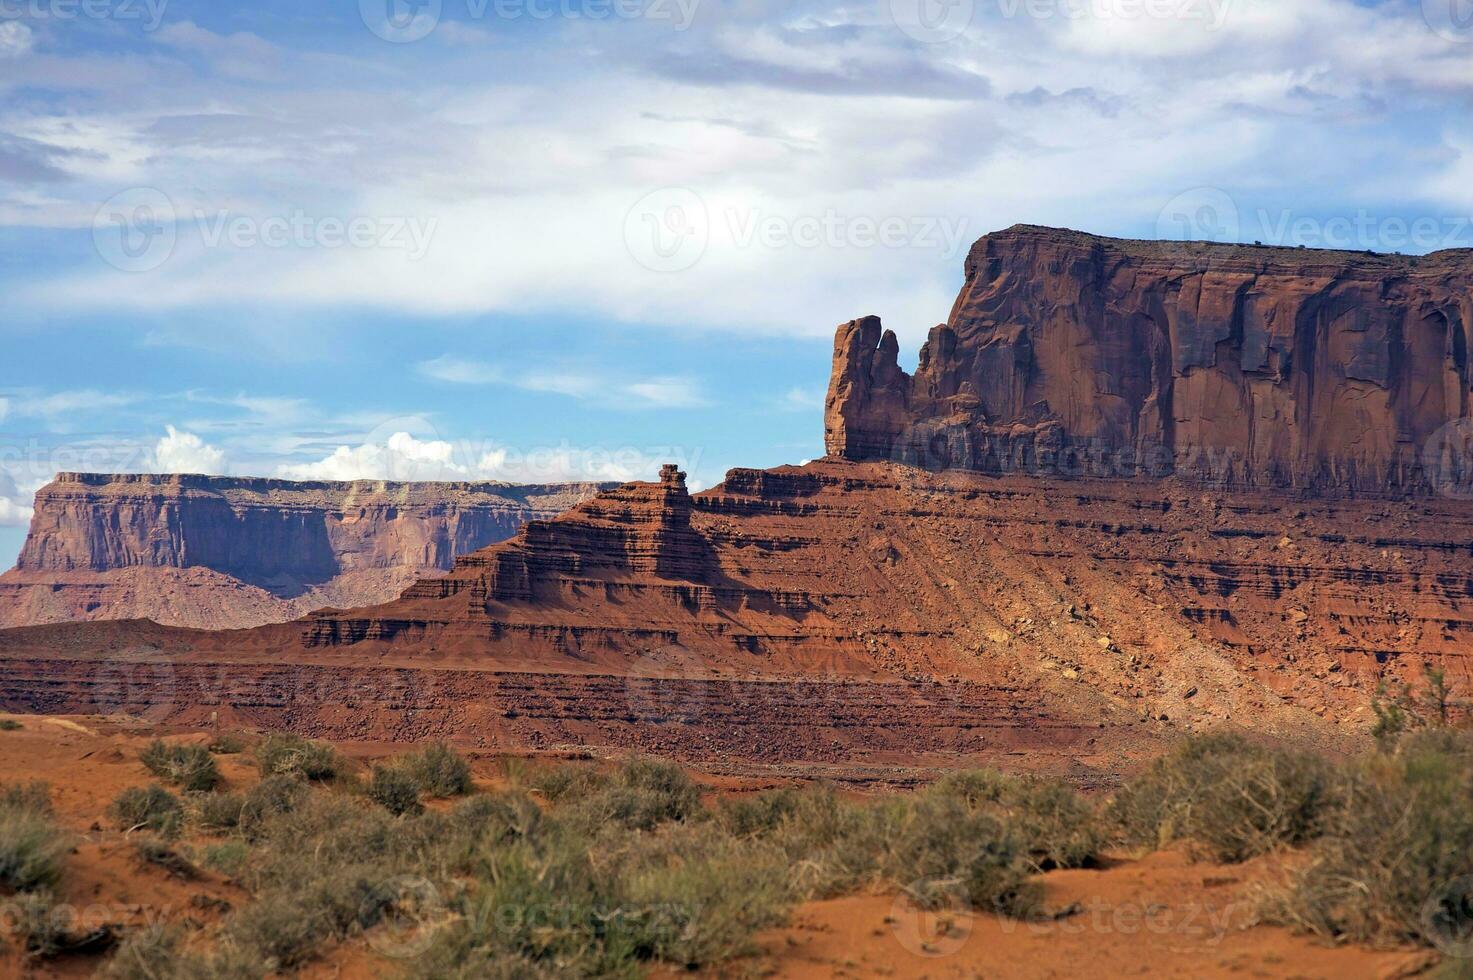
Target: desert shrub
292	755
1230	798
395	789
639	795
10	725
151	807
439	771
32	846
34	795
155	953
693	896
1394	863
568	782
271	797
161	855
227	858
38	923
45	928
220	811
227	743
1055	825
190	767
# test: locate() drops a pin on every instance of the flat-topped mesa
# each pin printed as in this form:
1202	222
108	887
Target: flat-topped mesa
219	552
1069	354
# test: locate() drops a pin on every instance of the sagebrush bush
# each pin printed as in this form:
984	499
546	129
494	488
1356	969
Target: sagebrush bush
10	725
150	807
1394	862
190	767
227	743
292	755
33	848
395	789
439	771
1054	824
161	855
1230	798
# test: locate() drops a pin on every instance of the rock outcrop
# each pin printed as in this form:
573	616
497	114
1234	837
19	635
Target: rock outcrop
1069	354
230	552
984	605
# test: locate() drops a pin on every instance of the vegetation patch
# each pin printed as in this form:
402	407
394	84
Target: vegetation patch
190	767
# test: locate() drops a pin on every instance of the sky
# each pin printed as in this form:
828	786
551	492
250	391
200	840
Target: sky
575	239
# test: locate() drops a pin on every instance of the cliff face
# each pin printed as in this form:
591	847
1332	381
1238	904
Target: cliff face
217	551
1069	354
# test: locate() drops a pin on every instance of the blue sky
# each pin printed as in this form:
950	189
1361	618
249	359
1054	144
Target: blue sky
544	239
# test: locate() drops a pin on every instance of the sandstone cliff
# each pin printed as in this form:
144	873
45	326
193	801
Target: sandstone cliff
226	552
1070	354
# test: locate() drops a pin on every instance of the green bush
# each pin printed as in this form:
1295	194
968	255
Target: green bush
160	855
271	797
439	771
154	953
10	725
395	790
227	743
1055	825
291	755
1394	863
694	897
220	811
227	858
190	767
151	807
32	847
639	795
1230	798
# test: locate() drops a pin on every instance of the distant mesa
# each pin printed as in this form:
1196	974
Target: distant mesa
227	552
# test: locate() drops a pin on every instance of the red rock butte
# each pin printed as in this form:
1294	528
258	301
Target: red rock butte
1247	366
961	580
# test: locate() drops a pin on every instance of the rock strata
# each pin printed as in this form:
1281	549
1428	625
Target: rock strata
1069	354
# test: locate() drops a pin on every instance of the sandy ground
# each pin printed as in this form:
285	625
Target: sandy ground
1156	915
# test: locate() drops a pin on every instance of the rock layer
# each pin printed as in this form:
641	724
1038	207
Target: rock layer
1069	354
227	552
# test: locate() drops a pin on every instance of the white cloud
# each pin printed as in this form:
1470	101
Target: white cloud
4	408
798	399
185	452
668	393
15	509
401	457
15	39
660	392
404	457
64	403
531	172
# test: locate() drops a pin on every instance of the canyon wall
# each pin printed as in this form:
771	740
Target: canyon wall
1070	354
226	551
